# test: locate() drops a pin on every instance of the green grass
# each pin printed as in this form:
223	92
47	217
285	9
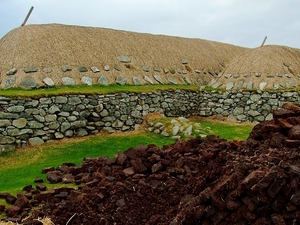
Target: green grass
21	167
228	131
94	89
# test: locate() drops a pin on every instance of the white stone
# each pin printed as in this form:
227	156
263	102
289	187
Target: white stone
87	80
95	69
262	85
175	130
48	81
148	79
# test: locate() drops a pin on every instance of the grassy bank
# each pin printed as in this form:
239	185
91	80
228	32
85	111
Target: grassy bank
90	90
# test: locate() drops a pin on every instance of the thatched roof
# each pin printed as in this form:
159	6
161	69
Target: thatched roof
54	45
277	66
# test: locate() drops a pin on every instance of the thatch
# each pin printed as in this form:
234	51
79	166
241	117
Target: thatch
271	64
54	45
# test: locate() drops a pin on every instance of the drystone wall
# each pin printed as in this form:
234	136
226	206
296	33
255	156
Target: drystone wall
29	121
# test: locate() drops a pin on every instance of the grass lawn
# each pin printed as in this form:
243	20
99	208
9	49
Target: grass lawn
93	89
21	167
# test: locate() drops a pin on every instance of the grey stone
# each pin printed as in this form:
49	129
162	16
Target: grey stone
35	141
66	68
197	71
148	79
282	84
103	80
106	68
69	133
78	124
124	59
28	83
184	71
10	82
236	76
30	69
165	133
253	113
104	113
45	101
5	123
117	124
158	78
94	69
6	139
48	81
58	135
146	68
53	125
187	80
68	108
35	124
67	81
228	102
74	100
53	109
108	130
217	85
229	85
255	97
87	80
240	84
249	85
19	123
156	69
120	80
171	80
61	100
18	132
247	75
15	109
278	75
257	74
276	86
65	126
288	75
82	69
136	81
11	71
47	69
184	61
118	68
39	133
228	75
238	111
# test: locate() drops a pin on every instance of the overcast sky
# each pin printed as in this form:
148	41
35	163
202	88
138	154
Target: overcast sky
239	22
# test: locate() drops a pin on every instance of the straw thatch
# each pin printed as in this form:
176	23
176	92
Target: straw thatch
54	45
271	64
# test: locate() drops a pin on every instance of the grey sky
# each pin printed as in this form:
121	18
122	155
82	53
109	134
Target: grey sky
239	22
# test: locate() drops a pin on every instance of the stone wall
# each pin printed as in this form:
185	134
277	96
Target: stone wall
29	121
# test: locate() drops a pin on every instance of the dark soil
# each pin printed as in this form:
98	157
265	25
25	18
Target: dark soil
199	181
